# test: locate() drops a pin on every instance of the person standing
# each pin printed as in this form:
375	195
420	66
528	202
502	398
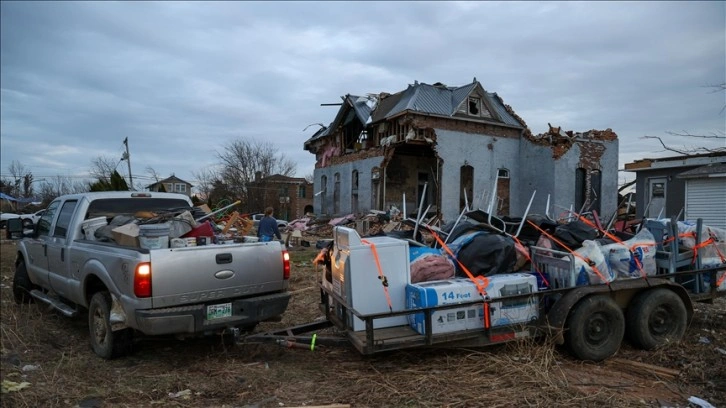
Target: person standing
267	228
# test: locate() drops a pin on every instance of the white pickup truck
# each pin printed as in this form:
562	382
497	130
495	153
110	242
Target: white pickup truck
126	290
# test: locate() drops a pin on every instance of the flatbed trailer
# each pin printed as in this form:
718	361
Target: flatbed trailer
590	319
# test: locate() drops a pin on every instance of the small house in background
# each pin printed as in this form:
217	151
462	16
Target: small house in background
290	197
172	184
447	147
693	186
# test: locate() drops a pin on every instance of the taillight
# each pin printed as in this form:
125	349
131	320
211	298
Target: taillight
142	280
285	265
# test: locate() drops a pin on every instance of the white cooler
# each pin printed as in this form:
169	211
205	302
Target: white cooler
356	276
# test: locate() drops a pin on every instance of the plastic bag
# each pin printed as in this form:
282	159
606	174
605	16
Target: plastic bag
632	258
593	269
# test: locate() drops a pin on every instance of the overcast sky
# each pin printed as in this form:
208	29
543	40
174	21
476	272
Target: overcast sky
182	79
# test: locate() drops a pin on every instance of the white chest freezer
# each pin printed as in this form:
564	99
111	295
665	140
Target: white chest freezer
357	278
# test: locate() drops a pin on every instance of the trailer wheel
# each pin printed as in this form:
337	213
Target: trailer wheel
595	328
655	318
22	285
104	341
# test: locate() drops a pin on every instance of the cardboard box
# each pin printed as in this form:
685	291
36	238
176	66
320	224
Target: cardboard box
471	317
126	235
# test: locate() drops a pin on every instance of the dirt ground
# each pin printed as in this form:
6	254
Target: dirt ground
46	361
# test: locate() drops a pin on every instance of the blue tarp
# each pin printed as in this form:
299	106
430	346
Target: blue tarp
18	200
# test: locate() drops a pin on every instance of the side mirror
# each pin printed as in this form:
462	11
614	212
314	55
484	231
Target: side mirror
14	228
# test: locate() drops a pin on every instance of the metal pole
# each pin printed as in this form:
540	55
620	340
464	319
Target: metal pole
420	208
128	161
526	213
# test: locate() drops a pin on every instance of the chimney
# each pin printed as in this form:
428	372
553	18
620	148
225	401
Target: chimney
258	175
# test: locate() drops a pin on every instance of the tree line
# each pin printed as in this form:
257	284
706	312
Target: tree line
232	178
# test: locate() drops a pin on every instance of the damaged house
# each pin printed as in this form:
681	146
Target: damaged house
459	142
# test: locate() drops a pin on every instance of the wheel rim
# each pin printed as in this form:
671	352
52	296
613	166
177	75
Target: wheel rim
100	330
597	329
660	322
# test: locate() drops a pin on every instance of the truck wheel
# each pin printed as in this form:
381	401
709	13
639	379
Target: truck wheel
22	285
595	328
105	342
655	318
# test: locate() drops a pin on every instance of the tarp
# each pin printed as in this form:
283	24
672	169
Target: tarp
18	200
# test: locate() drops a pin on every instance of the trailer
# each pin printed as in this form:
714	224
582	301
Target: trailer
591	320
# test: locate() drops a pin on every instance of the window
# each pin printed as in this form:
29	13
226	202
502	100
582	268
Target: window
283	191
474	106
180	188
47	218
503	173
324	194
336	194
354	192
301	191
64	219
466	186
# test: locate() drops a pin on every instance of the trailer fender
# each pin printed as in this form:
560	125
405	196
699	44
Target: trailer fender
621	290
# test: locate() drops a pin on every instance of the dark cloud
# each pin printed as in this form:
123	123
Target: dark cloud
182	79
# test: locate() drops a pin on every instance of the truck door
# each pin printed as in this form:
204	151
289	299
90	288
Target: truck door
58	256
37	262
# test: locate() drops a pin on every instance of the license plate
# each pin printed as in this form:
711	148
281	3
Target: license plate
219	311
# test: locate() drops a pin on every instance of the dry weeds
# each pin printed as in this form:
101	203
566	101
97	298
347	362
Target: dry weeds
52	353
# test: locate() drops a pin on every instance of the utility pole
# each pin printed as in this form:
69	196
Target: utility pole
128	161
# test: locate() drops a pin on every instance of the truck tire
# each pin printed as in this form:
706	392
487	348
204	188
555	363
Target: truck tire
22	285
595	328
655	318
106	343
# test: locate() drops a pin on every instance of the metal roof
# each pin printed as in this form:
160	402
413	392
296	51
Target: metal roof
707	170
437	99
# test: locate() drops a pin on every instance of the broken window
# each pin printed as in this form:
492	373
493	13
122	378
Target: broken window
375	187
503	191
466	185
474	106
354	192
336	193
588	184
324	194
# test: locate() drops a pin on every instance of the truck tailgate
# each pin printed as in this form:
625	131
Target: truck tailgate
214	272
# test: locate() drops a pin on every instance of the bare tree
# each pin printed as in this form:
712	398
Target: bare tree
310	177
102	167
242	160
17	172
52	187
205	180
153	174
688	150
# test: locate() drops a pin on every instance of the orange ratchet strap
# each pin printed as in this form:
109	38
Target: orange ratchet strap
586	260
381	276
481	282
529	258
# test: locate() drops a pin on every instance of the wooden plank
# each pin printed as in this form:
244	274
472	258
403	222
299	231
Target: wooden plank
230	222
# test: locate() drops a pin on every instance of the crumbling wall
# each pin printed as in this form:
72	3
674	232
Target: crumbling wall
552	160
486	154
465	126
560	142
